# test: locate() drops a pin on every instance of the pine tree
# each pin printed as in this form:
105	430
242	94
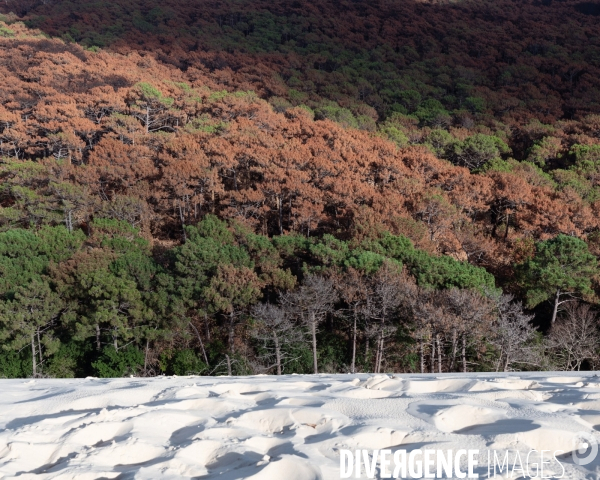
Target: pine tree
29	318
561	270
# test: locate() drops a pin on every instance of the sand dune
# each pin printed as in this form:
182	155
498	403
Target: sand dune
291	428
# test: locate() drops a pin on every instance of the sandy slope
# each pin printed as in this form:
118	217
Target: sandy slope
280	428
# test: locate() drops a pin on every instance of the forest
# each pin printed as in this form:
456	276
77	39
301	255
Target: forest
234	188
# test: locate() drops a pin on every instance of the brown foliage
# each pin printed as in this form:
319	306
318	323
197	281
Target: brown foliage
233	155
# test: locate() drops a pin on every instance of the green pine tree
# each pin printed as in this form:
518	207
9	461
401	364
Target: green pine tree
562	269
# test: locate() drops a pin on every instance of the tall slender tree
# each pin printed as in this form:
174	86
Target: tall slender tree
311	302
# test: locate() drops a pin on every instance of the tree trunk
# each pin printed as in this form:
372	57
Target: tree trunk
422	348
353	363
207	327
201	343
432	354
182	220
69	221
376	363
39	345
556	303
454	347
313	331
33	356
97	337
439	350
228	365
277	354
231	332
499	362
464	353
382	343
378	353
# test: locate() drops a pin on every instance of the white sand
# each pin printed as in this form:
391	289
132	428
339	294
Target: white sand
289	428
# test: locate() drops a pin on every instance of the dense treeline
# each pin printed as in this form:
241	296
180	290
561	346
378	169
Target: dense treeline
158	219
230	301
505	60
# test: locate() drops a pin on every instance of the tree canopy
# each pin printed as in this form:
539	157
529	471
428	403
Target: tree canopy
177	179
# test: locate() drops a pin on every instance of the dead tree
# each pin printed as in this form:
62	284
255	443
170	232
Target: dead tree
473	313
424	313
575	338
392	289
512	331
310	303
277	333
355	290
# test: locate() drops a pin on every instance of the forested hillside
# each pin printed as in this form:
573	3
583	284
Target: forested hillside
278	187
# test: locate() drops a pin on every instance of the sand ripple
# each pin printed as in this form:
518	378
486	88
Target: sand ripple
290	428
